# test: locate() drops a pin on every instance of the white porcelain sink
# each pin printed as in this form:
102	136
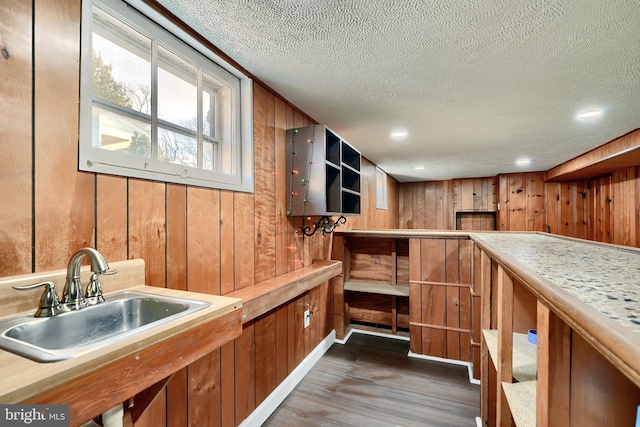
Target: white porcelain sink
71	334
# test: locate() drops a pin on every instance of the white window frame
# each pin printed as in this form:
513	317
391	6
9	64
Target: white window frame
381	189
150	22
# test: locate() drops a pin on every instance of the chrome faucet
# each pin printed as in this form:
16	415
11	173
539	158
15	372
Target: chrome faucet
73	297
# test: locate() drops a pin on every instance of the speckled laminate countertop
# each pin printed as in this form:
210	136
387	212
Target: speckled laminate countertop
605	277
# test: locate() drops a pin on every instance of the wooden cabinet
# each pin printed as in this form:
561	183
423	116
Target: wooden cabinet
583	370
324	173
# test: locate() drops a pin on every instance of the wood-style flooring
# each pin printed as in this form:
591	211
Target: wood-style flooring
370	381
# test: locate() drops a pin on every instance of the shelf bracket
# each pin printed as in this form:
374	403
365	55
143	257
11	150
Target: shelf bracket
324	224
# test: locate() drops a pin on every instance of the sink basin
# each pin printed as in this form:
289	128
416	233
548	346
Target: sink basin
72	334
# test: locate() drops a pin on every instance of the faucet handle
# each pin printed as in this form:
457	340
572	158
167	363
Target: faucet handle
48	301
94	290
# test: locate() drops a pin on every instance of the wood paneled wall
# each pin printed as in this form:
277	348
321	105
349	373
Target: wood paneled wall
602	209
198	239
433	204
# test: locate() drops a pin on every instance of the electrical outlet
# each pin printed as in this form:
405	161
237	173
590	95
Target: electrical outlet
307	318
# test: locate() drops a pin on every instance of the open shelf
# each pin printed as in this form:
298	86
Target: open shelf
332	148
521	397
381	288
524	354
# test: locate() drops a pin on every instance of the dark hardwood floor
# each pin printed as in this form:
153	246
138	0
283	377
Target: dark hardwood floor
371	382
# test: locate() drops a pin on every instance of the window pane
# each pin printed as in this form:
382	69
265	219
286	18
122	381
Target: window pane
174	147
208	155
177	91
210	106
121	64
118	132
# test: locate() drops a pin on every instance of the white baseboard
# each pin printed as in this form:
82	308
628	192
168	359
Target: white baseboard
469	365
271	403
375	334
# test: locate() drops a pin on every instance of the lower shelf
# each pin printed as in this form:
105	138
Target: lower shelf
522	402
524	354
381	288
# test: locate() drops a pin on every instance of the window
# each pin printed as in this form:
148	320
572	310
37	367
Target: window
381	189
157	104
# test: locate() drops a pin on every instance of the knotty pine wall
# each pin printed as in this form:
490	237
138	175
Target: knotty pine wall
192	238
602	209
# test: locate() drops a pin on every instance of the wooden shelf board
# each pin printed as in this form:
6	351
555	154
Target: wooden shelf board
373	287
524	354
522	402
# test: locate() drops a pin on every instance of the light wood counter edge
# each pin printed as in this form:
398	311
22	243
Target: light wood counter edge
23	378
265	296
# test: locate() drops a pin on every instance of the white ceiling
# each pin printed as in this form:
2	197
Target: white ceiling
476	83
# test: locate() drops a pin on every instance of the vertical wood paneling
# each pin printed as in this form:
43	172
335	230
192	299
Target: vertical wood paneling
176	236
204	391
227	239
64	220
281	343
433	298
433	205
535	202
15	129
244	242
466	311
204	240
281	194
228	384
503	211
567	206
147	233
245	372
453	298
111	217
266	375
176	394
265	186
517	202
553	207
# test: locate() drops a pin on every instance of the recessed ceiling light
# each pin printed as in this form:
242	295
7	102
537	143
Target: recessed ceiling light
589	114
419	168
523	162
399	134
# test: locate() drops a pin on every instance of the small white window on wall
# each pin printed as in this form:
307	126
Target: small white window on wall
381	189
157	104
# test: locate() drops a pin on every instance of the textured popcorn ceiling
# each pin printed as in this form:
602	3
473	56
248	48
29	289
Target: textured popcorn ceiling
476	83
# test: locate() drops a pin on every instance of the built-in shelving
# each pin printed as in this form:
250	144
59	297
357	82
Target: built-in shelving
380	288
324	173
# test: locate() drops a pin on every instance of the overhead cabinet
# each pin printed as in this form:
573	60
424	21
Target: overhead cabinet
324	173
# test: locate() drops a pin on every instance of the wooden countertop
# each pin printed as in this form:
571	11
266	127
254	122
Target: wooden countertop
594	287
269	294
114	372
